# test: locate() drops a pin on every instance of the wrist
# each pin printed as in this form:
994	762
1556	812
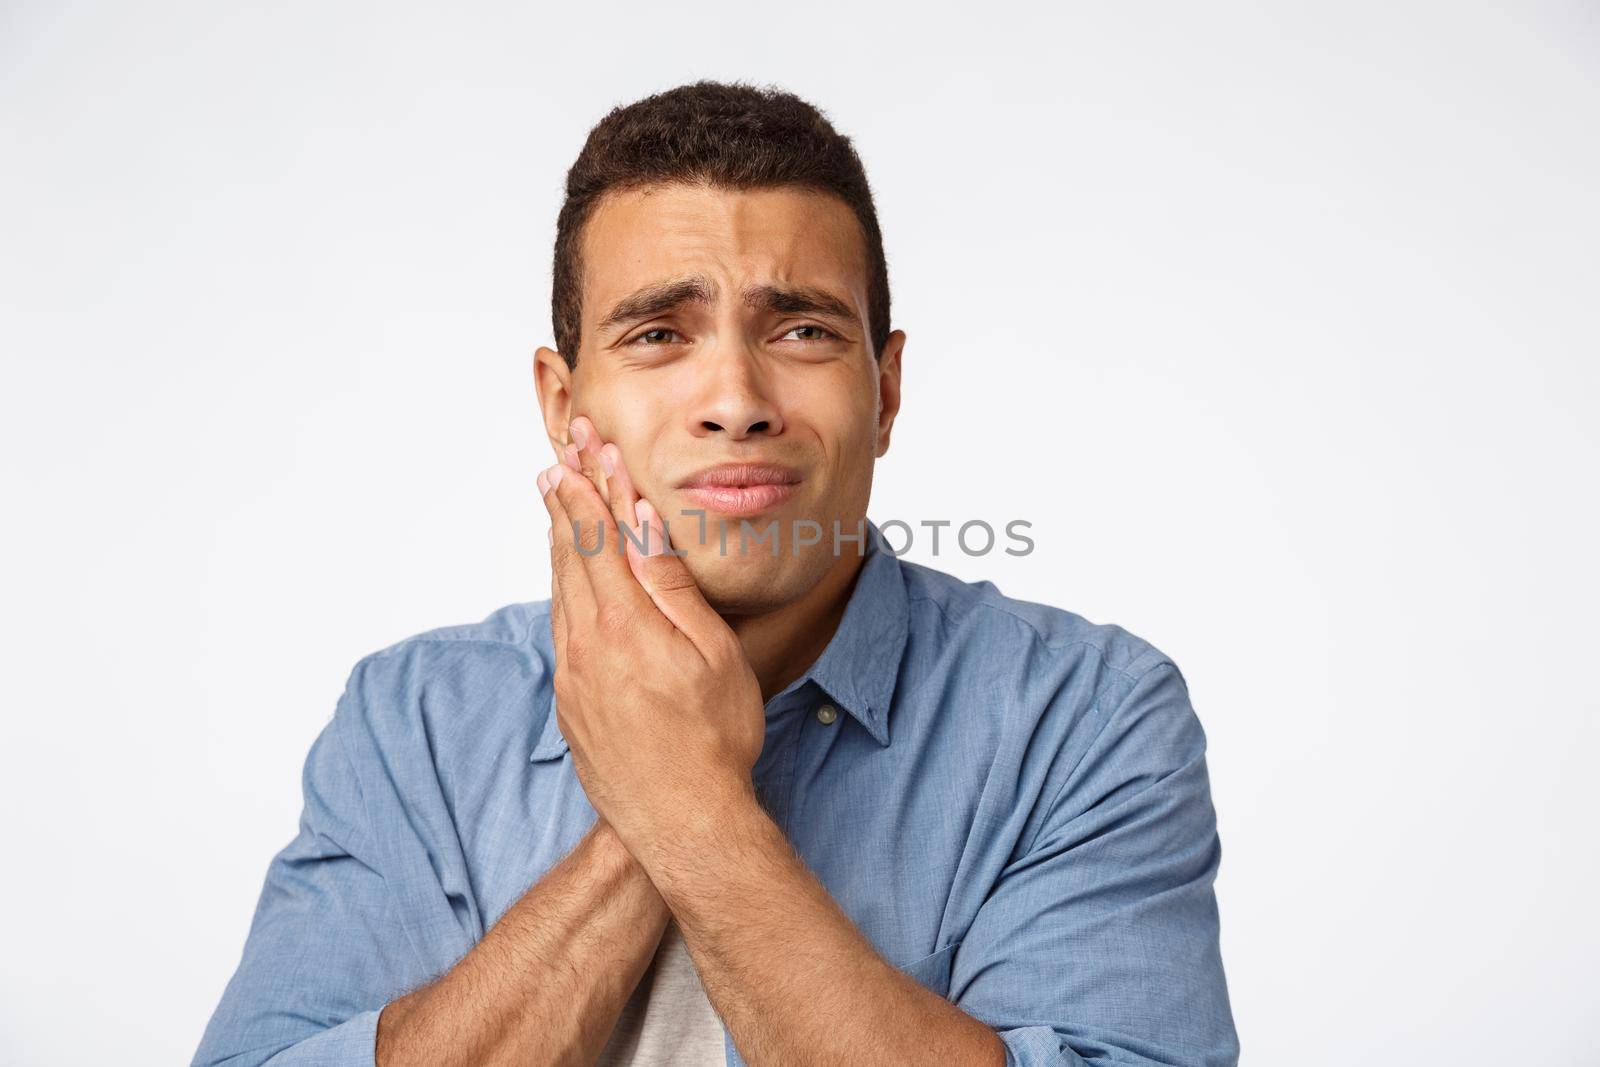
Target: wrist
722	821
721	807
620	873
607	849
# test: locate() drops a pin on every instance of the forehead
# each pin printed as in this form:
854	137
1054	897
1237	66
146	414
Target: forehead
644	236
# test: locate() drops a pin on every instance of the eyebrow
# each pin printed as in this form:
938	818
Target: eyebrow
799	301
655	299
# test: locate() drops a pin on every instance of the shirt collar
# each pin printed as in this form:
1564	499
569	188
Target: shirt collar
858	668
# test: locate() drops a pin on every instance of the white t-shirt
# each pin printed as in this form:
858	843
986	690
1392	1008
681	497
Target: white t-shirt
668	1021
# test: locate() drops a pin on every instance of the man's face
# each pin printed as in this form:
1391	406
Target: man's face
725	341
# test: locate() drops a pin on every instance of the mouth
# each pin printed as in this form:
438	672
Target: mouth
741	488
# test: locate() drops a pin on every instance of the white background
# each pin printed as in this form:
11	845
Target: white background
1279	322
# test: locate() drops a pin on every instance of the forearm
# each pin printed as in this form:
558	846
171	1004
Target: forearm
791	976
547	982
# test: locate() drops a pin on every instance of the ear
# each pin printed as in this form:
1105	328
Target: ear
552	380
889	387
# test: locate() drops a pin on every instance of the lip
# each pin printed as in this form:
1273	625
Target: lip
741	488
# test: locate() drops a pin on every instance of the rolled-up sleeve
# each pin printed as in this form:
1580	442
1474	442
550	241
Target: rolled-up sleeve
1099	941
324	952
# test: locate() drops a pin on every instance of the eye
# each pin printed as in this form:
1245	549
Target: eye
813	332
660	335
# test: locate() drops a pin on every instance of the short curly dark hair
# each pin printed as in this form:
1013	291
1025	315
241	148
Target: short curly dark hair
729	135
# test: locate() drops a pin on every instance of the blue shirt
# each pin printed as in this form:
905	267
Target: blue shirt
1010	802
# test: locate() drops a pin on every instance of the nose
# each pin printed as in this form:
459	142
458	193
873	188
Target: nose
735	399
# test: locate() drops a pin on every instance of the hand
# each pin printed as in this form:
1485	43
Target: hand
658	704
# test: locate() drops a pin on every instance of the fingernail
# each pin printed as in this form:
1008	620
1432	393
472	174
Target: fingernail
555	474
606	463
570	456
544	483
576	433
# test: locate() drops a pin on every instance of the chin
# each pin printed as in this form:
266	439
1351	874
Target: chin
751	584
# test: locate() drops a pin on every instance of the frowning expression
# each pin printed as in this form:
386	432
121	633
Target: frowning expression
726	350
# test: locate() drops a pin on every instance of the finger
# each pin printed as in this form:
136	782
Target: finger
566	565
668	581
588	441
623	494
596	543
558	622
558	626
601	460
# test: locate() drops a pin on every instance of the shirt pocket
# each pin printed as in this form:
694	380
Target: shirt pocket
933	970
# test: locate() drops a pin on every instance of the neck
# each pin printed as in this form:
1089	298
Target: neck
782	645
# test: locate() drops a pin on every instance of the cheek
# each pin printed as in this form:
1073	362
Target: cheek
636	425
847	424
846	435
644	453
838	399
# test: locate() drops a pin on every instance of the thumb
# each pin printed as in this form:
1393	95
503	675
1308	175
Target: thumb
675	592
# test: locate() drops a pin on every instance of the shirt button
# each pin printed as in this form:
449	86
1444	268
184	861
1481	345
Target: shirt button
826	714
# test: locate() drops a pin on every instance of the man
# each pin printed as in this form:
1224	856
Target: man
779	799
